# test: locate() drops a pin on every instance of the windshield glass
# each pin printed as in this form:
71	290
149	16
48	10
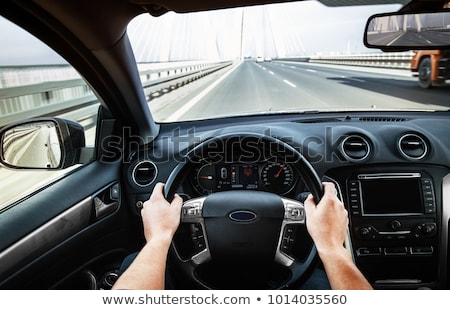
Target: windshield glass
281	58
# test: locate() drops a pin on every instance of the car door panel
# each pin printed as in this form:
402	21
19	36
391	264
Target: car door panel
64	227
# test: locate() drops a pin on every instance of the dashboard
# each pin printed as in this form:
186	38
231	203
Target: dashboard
391	171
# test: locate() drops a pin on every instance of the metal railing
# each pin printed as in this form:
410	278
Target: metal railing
51	99
179	76
379	60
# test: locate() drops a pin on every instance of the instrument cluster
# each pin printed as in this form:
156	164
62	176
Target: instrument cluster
272	176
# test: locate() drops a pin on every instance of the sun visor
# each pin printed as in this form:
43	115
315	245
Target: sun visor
361	2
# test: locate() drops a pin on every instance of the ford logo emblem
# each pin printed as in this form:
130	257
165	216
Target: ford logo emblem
242	216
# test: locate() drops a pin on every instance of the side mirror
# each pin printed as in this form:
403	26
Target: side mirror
408	31
45	143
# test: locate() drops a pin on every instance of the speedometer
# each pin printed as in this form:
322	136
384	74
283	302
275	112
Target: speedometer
277	177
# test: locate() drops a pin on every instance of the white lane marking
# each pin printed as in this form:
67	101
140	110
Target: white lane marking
395	39
353	79
292	67
185	108
311	70
289	83
271	72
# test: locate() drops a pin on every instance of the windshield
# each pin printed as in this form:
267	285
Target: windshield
281	58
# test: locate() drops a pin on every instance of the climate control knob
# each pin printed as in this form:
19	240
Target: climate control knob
364	231
396	225
428	229
367	232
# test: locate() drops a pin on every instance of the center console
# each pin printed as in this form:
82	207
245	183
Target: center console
395	227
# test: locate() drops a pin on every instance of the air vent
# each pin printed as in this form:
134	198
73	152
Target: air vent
412	146
318	120
355	148
144	173
382	119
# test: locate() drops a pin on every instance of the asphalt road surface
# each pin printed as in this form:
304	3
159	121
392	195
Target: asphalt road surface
287	86
411	38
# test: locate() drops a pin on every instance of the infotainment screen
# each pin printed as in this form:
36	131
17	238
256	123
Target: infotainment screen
392	196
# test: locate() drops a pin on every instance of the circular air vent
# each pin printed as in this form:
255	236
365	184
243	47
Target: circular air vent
144	173
355	148
412	146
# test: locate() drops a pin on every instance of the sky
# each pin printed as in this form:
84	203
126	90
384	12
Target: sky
18	47
282	30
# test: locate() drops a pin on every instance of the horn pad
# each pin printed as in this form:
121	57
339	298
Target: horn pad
243	226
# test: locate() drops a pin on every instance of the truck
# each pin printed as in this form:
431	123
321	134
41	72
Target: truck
432	67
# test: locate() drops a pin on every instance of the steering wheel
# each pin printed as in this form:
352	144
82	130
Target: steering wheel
245	227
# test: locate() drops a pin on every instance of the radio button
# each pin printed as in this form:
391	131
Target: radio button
430	207
396	251
421	250
354	183
368	251
426	181
429	199
428	196
354	197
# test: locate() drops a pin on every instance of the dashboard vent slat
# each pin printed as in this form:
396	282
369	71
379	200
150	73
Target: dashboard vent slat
382	119
355	148
144	173
412	146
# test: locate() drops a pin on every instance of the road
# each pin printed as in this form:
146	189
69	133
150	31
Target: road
411	38
288	86
33	147
251	87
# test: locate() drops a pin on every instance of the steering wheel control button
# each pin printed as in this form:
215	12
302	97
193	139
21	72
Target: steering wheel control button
294	212
198	237
288	240
192	210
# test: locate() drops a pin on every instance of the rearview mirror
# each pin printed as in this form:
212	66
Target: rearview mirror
406	31
41	144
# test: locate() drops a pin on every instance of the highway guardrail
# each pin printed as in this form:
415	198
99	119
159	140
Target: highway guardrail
20	102
380	60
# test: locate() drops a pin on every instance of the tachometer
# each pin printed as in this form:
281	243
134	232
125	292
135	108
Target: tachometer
277	177
206	178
